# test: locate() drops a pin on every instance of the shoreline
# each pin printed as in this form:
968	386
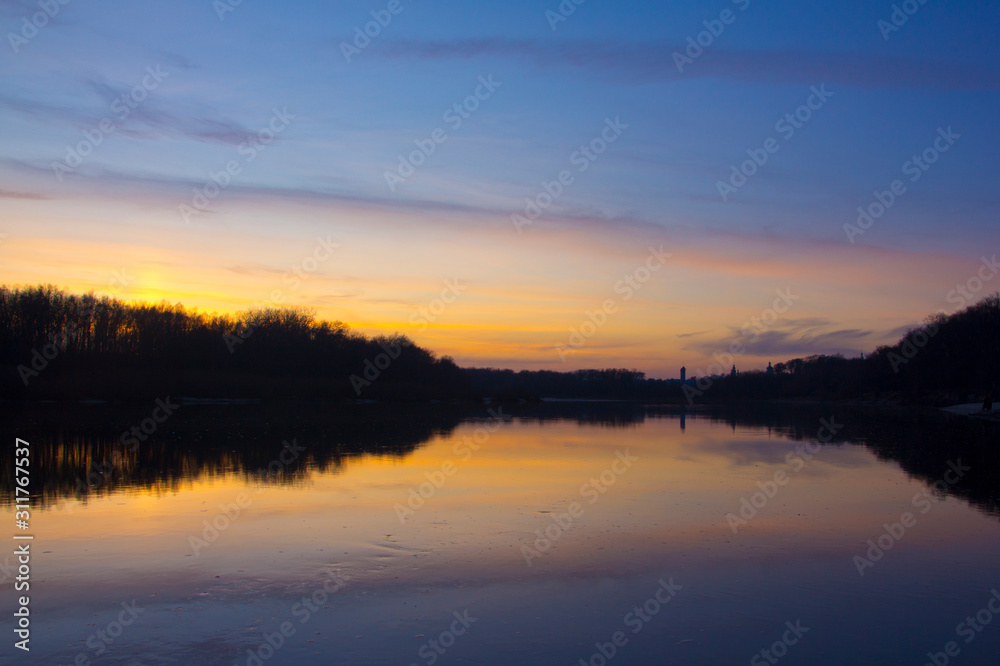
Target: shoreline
974	410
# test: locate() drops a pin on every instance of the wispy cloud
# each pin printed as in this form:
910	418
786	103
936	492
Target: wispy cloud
9	194
794	337
151	119
176	189
641	63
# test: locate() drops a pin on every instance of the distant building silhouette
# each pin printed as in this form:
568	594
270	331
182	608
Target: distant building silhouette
732	373
770	370
684	373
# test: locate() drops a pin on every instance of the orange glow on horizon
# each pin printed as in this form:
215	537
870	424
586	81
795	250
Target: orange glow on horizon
520	298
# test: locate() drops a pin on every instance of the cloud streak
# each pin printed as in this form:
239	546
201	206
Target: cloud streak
150	119
793	337
654	62
32	196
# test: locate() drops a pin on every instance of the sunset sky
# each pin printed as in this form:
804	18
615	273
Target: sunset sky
115	116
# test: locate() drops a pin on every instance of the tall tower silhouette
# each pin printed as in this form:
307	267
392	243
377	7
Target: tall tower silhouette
684	372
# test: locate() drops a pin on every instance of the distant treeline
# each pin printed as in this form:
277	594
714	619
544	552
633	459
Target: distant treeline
56	345
946	360
594	384
950	358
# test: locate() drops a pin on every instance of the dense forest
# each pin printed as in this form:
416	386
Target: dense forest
59	345
55	345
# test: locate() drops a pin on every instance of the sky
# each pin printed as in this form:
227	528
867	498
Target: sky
522	184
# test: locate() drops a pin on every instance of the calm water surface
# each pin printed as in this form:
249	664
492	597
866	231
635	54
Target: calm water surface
425	535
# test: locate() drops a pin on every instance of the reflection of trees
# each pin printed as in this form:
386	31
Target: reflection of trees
613	383
922	442
69	444
207	441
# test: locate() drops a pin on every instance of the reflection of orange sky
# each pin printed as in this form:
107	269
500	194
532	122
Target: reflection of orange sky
674	498
522	294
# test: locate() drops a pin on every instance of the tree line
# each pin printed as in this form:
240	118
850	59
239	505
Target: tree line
54	345
948	359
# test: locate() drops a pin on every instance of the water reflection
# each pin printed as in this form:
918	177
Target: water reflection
614	503
79	451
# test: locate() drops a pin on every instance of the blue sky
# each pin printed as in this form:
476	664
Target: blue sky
225	78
